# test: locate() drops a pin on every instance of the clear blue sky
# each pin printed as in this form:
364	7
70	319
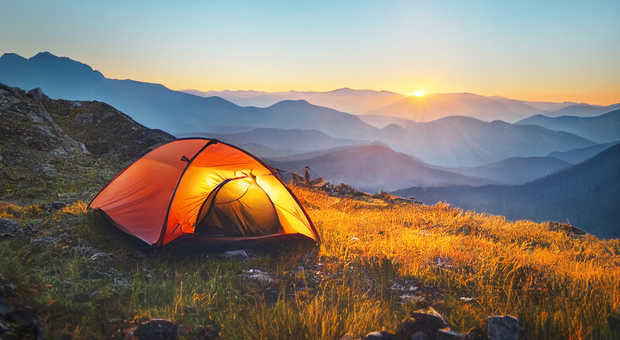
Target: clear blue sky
542	50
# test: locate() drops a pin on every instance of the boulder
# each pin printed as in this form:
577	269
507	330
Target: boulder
9	228
419	336
428	321
156	329
503	328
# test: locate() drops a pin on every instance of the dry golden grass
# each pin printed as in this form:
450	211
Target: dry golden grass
559	286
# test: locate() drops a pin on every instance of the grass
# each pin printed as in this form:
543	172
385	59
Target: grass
559	286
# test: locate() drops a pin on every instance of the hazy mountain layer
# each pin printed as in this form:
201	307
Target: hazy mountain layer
601	129
516	170
372	167
576	156
585	195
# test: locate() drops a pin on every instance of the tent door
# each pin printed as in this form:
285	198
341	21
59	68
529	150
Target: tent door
236	208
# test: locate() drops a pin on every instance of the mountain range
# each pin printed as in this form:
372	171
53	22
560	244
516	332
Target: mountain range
585	195
451	141
384	103
603	128
156	106
372	167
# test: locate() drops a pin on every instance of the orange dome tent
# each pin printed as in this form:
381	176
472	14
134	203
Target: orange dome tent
203	190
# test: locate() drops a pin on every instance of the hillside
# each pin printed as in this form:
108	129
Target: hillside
586	195
66	273
372	167
156	106
516	170
467	142
601	129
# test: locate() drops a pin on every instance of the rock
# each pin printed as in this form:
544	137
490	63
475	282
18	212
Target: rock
428	321
36	94
49	170
260	276
58	205
448	334
405	298
236	253
25	322
503	328
10	228
379	335
101	257
156	329
349	336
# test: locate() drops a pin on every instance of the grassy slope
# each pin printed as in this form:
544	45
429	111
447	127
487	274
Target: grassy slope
558	286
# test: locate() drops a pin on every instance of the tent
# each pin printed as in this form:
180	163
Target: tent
203	190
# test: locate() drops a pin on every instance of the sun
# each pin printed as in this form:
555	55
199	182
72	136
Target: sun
418	93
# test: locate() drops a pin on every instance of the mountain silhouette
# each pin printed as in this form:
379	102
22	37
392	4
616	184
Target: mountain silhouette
468	142
156	106
372	167
601	129
585	195
454	141
343	99
576	156
435	106
515	170
582	110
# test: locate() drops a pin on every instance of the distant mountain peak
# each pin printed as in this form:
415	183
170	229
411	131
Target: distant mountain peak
44	54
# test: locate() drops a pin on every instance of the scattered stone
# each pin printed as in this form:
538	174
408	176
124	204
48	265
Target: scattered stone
156	329
427	320
448	334
58	205
379	335
45	241
503	328
101	257
411	298
444	262
236	253
9	228
467	299
49	170
398	286
260	276
349	336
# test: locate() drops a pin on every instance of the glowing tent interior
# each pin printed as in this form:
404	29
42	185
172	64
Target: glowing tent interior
203	190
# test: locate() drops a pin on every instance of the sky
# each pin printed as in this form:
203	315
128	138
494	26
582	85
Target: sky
530	50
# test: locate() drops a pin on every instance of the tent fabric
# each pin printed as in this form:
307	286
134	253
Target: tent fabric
201	186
